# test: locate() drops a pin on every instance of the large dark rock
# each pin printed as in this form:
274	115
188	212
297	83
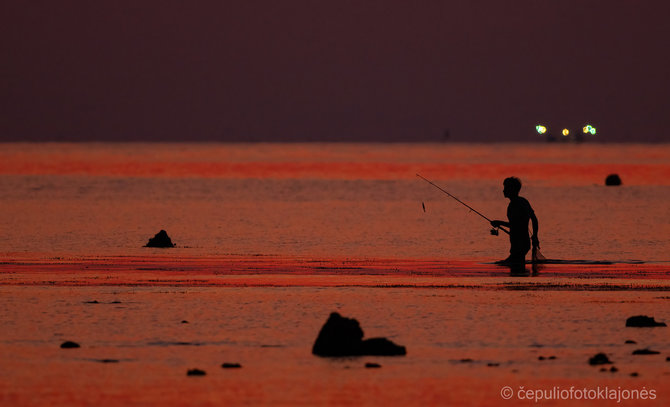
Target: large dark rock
341	336
613	180
160	240
643	321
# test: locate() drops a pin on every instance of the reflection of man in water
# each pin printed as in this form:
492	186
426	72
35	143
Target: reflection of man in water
519	212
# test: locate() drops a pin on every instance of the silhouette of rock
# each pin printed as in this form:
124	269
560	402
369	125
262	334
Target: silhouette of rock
184	322
667	359
382	347
645	352
370	365
552	357
613	369
69	345
540	358
634	374
613	180
341	336
493	364
643	321
196	372
231	365
599	359
630	342
161	239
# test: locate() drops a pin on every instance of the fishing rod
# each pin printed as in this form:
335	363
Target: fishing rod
493	231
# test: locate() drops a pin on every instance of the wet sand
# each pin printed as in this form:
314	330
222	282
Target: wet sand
455	318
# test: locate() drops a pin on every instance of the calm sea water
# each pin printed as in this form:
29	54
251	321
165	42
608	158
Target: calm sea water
330	200
74	218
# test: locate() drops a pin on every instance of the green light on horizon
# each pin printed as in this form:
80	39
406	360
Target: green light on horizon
589	129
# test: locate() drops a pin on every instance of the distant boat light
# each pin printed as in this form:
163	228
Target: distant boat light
540	129
589	129
566	132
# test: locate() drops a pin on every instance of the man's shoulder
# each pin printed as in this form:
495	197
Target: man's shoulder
521	202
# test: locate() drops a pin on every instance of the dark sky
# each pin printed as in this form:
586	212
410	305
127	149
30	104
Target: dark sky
332	70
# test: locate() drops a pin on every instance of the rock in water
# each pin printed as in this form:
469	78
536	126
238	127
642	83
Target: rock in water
160	240
643	321
613	180
382	347
69	345
599	359
645	352
341	336
196	372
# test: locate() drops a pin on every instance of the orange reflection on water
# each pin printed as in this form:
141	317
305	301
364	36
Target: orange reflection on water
589	164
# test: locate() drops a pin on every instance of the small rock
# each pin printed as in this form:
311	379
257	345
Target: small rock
91	302
381	347
466	360
643	321
108	361
631	342
231	365
645	352
667	359
634	374
613	369
196	372
540	358
69	345
115	302
613	180
599	359
184	322
161	239
603	369
552	357
493	364
370	365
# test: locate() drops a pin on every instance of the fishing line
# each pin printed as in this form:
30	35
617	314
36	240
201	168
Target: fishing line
493	231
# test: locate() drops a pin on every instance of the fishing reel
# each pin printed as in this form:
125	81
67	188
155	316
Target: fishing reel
494	232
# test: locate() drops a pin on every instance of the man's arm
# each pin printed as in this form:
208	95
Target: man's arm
499	223
534	239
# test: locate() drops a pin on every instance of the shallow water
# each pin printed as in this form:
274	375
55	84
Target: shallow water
270	332
272	238
330	200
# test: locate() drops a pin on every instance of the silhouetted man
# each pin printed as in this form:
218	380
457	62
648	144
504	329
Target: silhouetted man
519	212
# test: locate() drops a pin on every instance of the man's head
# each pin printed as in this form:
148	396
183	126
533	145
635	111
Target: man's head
511	187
